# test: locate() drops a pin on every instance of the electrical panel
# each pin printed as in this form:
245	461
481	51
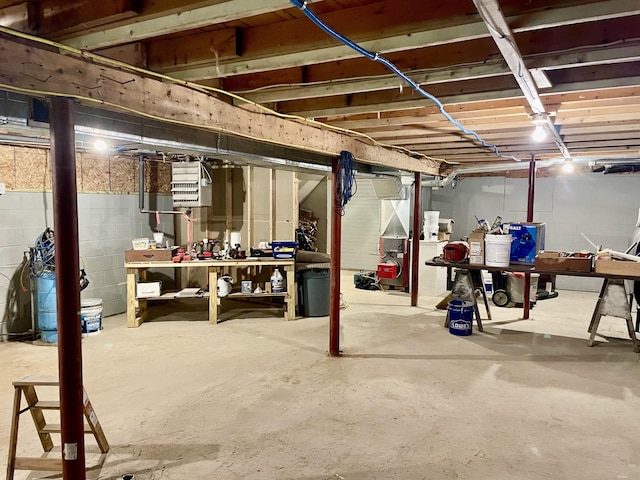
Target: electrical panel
190	185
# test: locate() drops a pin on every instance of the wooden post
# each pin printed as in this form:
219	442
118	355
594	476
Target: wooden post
530	200
336	237
65	220
228	205
415	240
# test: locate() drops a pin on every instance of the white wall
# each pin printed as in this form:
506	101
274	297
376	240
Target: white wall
603	207
106	225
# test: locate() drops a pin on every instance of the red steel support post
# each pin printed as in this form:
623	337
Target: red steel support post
415	240
336	237
530	200
65	221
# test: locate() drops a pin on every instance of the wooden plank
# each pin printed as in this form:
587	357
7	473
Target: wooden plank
37	380
195	49
39	464
93	423
132	320
213	297
228	205
13	439
22	17
67	75
56	19
57	428
48	404
181	20
135	54
30	395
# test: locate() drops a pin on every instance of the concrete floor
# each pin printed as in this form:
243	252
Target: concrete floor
258	397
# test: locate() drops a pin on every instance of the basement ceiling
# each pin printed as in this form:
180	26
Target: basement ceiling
269	52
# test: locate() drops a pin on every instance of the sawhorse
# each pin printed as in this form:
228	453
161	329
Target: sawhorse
26	386
613	301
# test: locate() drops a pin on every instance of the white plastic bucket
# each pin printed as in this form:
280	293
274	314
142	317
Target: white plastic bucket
431	217
91	315
497	250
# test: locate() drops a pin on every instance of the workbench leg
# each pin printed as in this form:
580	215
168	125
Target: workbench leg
213	295
290	298
132	320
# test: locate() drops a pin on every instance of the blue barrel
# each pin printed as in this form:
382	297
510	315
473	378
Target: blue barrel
460	317
47	314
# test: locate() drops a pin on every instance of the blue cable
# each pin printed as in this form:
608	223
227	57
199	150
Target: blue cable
346	181
302	5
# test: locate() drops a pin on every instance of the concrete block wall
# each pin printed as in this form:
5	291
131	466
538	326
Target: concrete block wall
603	207
106	225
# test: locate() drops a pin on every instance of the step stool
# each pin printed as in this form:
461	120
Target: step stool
27	386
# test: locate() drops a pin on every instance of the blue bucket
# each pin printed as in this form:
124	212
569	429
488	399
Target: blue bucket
460	317
47	312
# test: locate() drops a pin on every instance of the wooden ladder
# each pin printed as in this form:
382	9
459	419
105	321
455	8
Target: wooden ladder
26	386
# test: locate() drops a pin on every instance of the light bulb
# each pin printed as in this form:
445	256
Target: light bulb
567	167
100	146
539	133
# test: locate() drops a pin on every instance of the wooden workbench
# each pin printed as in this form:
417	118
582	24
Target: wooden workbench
612	300
213	267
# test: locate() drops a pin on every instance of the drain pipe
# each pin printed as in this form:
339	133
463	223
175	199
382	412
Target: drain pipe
141	182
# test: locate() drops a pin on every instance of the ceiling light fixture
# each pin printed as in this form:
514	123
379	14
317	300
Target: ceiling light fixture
100	146
539	120
567	166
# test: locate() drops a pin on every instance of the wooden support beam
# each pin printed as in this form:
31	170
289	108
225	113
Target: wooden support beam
56	19
132	54
218	12
419	32
202	48
43	72
21	17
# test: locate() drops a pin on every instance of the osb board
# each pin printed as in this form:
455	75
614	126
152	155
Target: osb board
33	169
123	174
25	168
94	172
7	171
157	176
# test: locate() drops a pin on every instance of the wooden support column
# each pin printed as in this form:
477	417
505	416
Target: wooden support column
65	220
336	238
228	205
415	240
530	200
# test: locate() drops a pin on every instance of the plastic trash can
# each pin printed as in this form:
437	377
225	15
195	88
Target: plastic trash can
314	288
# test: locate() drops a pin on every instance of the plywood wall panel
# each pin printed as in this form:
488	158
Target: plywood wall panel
123	175
7	170
95	172
164	177
33	169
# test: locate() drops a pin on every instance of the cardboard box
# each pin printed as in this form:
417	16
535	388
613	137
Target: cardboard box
618	267
444	236
445	225
148	289
561	261
527	240
476	248
150	255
